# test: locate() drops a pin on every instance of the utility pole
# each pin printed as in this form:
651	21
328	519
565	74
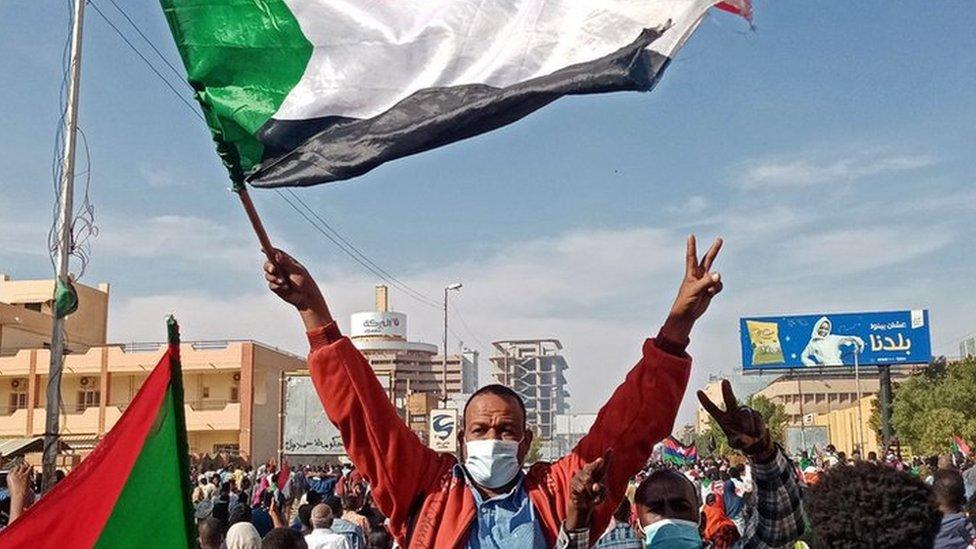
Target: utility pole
456	286
65	212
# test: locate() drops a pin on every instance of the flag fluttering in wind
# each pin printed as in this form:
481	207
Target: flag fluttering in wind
133	490
301	92
677	453
959	445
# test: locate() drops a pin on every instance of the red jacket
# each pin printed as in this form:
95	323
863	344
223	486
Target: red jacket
427	503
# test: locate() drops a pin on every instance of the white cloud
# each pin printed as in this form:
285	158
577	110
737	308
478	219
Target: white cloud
158	177
695	205
176	236
818	167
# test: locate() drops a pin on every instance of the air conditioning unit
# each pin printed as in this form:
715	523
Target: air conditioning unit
18	383
88	382
237	376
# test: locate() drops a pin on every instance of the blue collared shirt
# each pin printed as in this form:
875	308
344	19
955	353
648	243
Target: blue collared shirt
506	521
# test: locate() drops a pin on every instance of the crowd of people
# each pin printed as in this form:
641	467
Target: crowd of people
607	492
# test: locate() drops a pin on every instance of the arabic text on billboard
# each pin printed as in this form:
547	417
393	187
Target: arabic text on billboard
831	340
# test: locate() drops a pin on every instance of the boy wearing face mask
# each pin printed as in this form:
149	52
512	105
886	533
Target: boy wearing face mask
485	499
668	503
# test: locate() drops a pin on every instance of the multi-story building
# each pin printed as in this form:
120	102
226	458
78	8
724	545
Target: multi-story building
570	429
232	388
967	348
407	368
804	394
534	368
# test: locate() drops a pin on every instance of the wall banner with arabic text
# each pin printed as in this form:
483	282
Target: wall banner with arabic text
832	340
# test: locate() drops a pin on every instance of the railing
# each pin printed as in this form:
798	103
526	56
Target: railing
209	404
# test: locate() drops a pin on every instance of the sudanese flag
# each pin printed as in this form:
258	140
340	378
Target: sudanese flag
133	491
302	92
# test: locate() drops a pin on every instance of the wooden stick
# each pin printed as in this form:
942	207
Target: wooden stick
252	215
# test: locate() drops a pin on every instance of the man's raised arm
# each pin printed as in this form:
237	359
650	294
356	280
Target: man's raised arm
398	466
641	411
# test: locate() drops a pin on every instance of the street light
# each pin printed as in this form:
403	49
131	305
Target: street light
455	287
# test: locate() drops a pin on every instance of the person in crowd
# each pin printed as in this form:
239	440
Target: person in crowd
322	536
718	529
239	513
242	535
199	493
283	538
303	519
871	505
735	503
620	534
380	539
210	533
261	515
956	531
354	534
428	496
668	503
352	502
872	457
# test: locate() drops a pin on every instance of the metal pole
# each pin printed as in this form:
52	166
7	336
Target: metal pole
860	422
803	421
444	356
885	379
65	209
281	418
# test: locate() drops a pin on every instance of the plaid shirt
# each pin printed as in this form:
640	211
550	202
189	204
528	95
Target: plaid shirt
777	518
621	536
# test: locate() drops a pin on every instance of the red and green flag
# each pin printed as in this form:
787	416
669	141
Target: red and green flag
134	488
959	445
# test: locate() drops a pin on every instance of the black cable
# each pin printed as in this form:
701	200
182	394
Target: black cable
177	72
148	63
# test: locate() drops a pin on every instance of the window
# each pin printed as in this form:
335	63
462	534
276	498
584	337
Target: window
235	395
205	392
232	449
18	401
33	306
88	398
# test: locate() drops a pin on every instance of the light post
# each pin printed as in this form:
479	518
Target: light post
456	286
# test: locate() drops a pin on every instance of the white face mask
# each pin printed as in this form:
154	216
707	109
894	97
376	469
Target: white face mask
492	463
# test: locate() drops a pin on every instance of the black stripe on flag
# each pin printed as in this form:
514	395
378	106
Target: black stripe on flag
309	152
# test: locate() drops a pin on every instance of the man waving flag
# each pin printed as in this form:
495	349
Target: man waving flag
301	92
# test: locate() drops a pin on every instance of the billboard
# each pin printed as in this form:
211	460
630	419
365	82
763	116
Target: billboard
307	430
378	324
831	340
443	430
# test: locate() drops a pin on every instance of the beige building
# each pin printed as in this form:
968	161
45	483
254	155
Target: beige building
25	315
405	367
714	393
232	388
842	427
535	369
802	395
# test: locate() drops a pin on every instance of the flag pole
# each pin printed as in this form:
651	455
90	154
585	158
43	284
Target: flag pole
255	219
65	212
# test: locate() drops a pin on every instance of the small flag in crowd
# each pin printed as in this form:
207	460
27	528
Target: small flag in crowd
310	91
677	453
959	445
134	488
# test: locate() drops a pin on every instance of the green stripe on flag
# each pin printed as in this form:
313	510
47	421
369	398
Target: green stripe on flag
242	58
152	509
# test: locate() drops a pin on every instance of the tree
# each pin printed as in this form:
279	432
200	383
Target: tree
935	404
535	451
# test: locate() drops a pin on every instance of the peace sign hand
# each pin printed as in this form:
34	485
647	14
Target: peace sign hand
697	289
743	426
587	490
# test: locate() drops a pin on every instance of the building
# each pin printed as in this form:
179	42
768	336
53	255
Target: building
713	390
232	388
534	368
842	427
405	367
25	315
967	348
803	394
569	430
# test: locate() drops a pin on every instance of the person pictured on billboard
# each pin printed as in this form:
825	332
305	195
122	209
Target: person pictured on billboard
824	348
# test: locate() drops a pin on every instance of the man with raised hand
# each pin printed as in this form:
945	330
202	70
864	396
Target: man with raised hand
484	499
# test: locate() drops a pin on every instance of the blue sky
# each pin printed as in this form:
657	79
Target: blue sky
832	147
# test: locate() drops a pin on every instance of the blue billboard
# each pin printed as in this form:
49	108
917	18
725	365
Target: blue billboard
831	340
